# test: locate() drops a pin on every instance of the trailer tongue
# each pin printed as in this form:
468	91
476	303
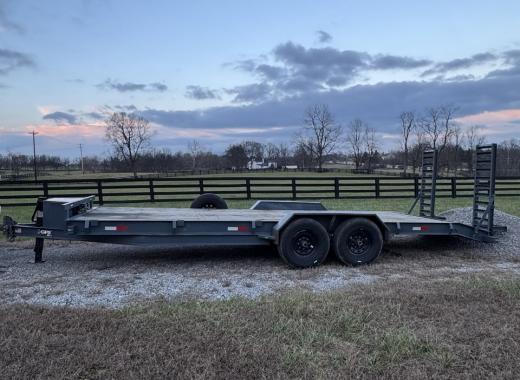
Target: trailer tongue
304	232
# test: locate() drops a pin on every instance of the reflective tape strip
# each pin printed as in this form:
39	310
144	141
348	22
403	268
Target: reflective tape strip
119	228
232	228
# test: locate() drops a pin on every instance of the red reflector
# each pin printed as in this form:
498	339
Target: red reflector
121	228
243	228
424	228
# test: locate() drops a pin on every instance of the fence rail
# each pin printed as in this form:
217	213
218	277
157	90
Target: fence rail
112	191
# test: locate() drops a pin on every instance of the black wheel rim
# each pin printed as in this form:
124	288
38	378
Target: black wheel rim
359	241
304	243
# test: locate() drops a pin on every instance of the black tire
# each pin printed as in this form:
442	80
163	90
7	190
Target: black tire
209	200
304	243
357	241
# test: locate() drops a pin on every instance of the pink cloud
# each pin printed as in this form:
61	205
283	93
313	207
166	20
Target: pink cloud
493	117
89	130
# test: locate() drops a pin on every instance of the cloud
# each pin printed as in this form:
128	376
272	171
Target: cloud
385	62
6	24
160	87
460	63
110	84
298	69
11	60
323	37
61	117
379	104
72	116
201	93
254	92
512	59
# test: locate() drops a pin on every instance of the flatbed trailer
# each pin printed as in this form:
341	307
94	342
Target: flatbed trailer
304	232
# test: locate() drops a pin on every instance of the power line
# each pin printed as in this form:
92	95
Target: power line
81	155
34	133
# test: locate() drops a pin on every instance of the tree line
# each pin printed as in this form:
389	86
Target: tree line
320	141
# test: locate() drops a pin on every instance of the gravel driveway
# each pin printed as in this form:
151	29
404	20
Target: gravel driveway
90	274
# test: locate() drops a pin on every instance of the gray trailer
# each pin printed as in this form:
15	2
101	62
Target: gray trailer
304	232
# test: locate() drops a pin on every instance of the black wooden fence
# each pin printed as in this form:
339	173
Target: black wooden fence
107	191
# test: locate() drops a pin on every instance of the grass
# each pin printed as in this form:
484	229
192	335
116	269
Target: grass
466	327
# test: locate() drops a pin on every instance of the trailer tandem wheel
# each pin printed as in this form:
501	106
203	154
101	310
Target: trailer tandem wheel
209	200
357	241
304	243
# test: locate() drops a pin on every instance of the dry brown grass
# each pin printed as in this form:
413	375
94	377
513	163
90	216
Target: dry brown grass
467	327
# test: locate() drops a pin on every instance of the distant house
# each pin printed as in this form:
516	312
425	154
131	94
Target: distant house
257	165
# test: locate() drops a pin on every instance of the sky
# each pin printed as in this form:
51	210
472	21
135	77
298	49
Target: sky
225	71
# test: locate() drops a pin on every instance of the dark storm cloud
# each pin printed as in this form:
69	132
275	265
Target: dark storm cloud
201	93
460	63
323	37
60	117
11	60
110	84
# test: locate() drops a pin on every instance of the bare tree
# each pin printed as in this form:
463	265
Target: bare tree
407	126
236	156
284	153
438	125
473	138
355	137
458	139
195	149
371	146
254	151
322	132
272	152
129	135
417	149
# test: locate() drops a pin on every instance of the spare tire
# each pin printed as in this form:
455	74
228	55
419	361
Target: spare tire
209	200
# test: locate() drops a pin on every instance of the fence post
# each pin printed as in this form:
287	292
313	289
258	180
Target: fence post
293	185
152	192
416	186
376	187
100	192
336	188
201	186
45	185
248	188
453	187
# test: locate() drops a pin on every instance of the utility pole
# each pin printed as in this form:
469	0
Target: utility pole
81	155
34	133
